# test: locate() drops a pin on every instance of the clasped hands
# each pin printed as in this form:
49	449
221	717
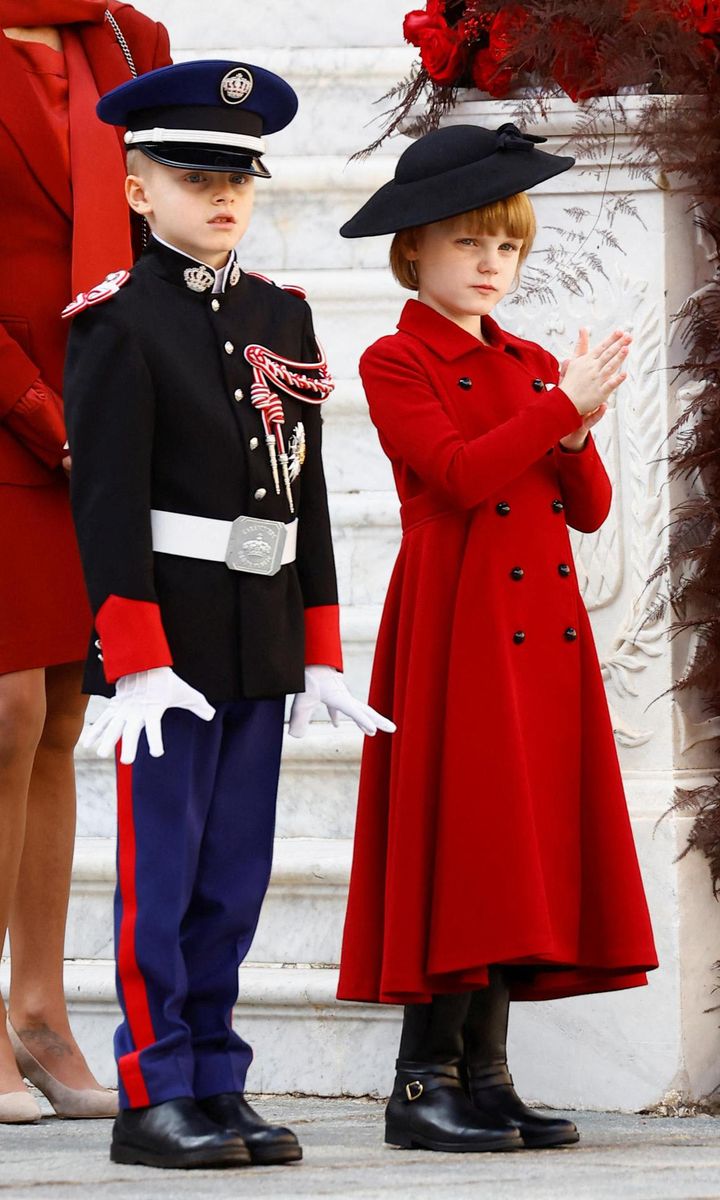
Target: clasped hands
590	378
141	700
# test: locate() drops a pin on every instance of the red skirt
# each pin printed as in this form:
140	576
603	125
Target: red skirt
45	617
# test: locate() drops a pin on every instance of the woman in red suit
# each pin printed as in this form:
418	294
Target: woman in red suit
63	227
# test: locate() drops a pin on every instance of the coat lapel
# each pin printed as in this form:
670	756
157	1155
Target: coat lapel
23	116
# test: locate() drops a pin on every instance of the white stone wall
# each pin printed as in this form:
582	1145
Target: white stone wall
619	1051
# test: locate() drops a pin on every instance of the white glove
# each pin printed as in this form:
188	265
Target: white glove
325	685
139	703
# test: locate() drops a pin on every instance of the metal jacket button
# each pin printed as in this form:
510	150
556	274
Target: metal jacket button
254	443
215	305
238	394
503	508
517	573
570	634
564	569
465	383
229	347
538	385
557	506
260	494
518	637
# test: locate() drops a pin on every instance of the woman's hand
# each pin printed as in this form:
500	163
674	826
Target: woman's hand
591	377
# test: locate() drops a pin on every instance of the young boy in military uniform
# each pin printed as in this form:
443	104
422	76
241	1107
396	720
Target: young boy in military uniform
193	393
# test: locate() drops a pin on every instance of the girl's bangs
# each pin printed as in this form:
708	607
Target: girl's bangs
513	216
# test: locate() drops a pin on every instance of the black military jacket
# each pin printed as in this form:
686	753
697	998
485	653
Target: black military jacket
157	403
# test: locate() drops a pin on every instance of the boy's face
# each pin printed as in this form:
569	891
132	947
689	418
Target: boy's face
462	274
202	213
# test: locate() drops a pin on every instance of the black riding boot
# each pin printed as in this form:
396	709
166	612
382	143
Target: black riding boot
428	1108
489	1082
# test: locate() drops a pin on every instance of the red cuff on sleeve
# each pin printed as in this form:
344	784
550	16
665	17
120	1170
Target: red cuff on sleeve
132	637
322	636
37	421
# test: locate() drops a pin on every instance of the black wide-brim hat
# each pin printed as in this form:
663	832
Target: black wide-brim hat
209	114
454	170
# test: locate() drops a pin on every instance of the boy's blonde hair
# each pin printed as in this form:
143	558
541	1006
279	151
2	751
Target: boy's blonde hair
515	216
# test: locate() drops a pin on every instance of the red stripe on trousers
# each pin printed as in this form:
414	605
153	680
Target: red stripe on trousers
137	1007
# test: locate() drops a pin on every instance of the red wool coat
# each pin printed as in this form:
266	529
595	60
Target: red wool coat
492	827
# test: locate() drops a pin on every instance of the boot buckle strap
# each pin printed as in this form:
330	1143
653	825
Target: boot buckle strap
414	1090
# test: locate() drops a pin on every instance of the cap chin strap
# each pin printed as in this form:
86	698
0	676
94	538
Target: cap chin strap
197	137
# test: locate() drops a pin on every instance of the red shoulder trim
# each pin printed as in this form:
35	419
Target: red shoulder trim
102	291
293	288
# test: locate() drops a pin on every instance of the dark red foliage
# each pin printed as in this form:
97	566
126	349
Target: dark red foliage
579	47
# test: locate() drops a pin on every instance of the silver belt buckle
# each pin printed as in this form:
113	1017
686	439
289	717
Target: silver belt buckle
256	546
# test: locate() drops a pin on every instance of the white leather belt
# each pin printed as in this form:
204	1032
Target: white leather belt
246	544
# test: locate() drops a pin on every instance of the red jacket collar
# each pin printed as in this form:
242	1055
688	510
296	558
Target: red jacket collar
447	339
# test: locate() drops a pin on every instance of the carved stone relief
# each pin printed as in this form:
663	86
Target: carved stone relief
615	563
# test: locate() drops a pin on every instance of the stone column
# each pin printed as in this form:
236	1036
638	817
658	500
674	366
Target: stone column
628	1049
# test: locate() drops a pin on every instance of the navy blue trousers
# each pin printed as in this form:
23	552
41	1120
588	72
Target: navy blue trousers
195	840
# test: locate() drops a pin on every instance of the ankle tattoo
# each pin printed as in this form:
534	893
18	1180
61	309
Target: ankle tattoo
43	1038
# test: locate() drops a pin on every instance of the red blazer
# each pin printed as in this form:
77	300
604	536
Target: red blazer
35	245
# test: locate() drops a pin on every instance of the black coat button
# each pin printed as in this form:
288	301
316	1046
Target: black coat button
465	383
570	634
518	637
538	385
503	508
557	506
517	573
564	569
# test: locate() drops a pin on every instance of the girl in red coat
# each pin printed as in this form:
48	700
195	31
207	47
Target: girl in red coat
494	858
63	226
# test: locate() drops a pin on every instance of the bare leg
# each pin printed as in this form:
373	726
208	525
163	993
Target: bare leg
39	910
22	714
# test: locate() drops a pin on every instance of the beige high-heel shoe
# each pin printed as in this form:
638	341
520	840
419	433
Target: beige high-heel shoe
19	1108
73	1104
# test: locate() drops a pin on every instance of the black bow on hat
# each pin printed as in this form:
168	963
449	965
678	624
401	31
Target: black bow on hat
454	170
509	137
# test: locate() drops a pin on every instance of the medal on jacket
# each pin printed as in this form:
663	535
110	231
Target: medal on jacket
292	378
297	449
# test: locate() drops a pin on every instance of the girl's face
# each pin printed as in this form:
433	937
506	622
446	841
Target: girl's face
461	274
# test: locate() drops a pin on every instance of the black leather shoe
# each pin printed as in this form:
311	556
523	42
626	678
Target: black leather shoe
498	1105
174	1134
266	1143
428	1110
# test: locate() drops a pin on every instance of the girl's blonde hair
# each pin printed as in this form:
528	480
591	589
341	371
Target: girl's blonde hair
514	216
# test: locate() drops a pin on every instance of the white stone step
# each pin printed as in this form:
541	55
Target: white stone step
298	215
301	921
352	455
318	785
306	1041
366	537
351	310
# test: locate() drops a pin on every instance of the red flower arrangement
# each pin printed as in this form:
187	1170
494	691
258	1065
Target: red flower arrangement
494	46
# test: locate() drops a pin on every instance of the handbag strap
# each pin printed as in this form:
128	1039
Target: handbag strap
120	37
